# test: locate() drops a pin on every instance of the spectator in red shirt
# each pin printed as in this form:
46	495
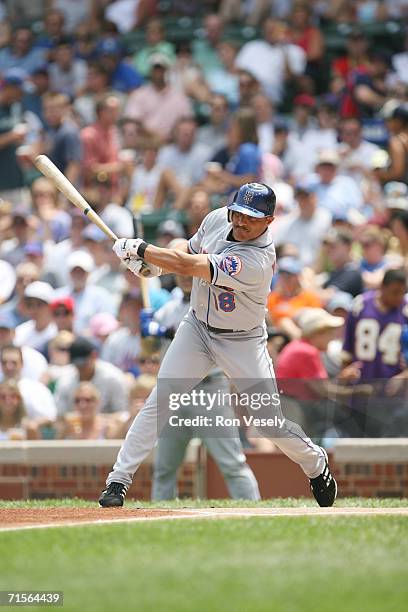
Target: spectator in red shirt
307	36
345	67
302	375
301	358
355	58
100	142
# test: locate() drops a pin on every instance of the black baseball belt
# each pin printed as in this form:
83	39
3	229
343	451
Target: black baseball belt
217	330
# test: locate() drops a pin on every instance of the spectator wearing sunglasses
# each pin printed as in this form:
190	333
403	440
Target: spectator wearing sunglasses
85	366
62	310
85	421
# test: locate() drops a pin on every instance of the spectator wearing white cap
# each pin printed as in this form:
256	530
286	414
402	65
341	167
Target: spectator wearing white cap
307	225
40	327
338	194
88	299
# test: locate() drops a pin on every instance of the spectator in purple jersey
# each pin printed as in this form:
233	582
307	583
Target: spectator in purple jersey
372	342
373	328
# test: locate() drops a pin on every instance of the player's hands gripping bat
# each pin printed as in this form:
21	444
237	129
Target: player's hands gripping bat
126	250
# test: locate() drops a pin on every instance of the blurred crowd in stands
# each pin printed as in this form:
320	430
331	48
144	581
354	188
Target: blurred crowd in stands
158	112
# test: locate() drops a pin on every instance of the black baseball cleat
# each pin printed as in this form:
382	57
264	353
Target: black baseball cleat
324	487
113	495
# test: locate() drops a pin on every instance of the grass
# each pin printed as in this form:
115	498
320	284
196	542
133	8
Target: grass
277	502
254	564
257	564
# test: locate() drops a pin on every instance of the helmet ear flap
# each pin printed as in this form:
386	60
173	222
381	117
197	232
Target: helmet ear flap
229	216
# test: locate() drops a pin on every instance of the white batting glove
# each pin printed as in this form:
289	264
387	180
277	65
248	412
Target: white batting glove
126	248
142	268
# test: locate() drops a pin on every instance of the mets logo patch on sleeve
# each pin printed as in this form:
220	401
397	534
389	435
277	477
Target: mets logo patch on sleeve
231	265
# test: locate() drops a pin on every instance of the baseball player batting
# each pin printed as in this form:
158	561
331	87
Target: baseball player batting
231	259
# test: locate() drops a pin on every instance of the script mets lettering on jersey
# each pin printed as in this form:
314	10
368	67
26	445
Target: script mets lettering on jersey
235	298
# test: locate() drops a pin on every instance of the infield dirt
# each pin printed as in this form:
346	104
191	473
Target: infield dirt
23	518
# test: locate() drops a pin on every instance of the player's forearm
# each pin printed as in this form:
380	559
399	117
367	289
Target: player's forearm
178	244
178	262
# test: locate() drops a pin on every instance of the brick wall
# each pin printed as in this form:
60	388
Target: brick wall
40	470
372	468
363	468
367	468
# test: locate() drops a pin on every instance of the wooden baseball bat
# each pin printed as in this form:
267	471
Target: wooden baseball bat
49	169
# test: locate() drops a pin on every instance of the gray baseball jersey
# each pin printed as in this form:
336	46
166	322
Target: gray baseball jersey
241	275
234	300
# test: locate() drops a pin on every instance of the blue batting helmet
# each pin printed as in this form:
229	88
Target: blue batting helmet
254	199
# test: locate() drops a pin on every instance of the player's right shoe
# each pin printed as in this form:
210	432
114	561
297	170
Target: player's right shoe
114	495
324	487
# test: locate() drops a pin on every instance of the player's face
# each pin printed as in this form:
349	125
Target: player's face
246	228
392	295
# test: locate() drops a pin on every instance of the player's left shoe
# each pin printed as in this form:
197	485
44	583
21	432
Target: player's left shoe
113	495
324	487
